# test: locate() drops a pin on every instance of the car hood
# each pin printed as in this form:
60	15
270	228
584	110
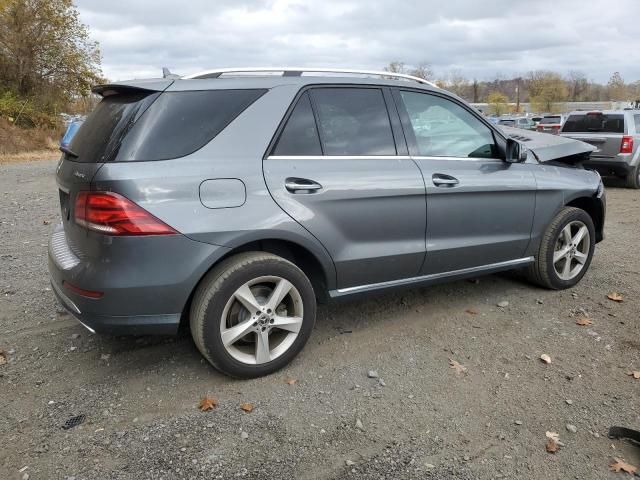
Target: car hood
546	147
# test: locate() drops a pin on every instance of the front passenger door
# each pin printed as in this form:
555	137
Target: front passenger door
479	207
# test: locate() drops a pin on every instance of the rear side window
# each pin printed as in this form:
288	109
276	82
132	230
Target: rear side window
300	134
143	126
595	122
636	119
353	121
179	123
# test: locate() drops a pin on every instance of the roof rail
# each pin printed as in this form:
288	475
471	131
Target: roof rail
298	71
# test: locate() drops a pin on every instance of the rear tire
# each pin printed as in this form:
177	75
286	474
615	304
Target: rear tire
562	236
238	320
632	179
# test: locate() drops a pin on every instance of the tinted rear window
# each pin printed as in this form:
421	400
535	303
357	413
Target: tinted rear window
595	122
550	120
107	125
508	123
139	127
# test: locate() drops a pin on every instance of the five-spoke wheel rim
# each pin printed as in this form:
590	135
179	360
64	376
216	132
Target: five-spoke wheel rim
572	250
261	320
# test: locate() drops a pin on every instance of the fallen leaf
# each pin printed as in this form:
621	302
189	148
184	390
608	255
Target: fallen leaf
457	366
617	465
3	357
551	446
208	403
290	381
247	407
545	358
635	374
583	322
472	311
46	222
616	297
552	442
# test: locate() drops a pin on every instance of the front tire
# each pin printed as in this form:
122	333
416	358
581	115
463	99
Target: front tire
565	251
252	314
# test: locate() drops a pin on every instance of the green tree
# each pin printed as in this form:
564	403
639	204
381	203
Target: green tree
498	103
547	91
46	54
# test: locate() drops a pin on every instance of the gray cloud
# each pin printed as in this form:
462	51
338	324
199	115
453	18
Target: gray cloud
476	38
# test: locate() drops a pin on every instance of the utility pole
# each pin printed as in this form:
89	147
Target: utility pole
517	95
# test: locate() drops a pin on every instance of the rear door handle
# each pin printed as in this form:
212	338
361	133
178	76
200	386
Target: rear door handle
301	185
442	180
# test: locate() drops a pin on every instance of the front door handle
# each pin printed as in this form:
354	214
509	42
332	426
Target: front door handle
301	185
442	180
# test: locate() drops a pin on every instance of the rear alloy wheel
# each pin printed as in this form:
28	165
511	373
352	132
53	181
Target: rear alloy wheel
565	251
252	314
633	177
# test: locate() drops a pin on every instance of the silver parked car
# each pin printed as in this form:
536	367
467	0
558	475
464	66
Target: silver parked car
550	124
517	122
616	136
234	203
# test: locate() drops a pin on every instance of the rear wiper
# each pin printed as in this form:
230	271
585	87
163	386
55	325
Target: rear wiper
68	151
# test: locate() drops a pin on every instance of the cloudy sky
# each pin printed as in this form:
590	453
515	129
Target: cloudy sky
476	38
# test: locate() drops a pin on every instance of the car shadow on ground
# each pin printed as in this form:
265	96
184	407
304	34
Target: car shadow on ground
137	356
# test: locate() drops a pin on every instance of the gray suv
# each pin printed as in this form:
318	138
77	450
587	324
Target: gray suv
234	202
616	136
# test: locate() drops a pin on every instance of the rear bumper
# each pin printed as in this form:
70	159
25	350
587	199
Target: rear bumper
145	282
609	167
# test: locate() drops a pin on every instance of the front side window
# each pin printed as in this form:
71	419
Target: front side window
353	121
443	128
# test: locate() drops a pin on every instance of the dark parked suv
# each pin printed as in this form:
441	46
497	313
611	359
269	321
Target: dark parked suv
235	202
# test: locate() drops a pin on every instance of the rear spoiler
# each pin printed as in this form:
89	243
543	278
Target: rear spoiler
151	85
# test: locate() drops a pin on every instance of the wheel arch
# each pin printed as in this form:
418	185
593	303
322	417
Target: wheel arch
319	270
595	209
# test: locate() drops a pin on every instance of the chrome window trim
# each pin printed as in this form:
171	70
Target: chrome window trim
434	276
468	159
338	157
380	157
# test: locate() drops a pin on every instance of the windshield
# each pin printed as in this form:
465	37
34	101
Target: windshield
595	122
508	123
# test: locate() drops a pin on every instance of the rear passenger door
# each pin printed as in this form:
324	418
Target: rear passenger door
339	166
479	207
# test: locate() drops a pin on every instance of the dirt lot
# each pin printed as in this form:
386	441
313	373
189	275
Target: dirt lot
421	420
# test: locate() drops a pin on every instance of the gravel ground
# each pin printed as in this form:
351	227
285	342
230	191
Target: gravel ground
140	395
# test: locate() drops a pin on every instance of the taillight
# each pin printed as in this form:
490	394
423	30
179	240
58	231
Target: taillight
627	144
113	214
81	291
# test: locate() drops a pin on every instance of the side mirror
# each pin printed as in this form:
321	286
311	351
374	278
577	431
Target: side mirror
516	152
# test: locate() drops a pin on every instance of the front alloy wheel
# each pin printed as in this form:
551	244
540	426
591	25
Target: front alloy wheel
565	251
572	250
